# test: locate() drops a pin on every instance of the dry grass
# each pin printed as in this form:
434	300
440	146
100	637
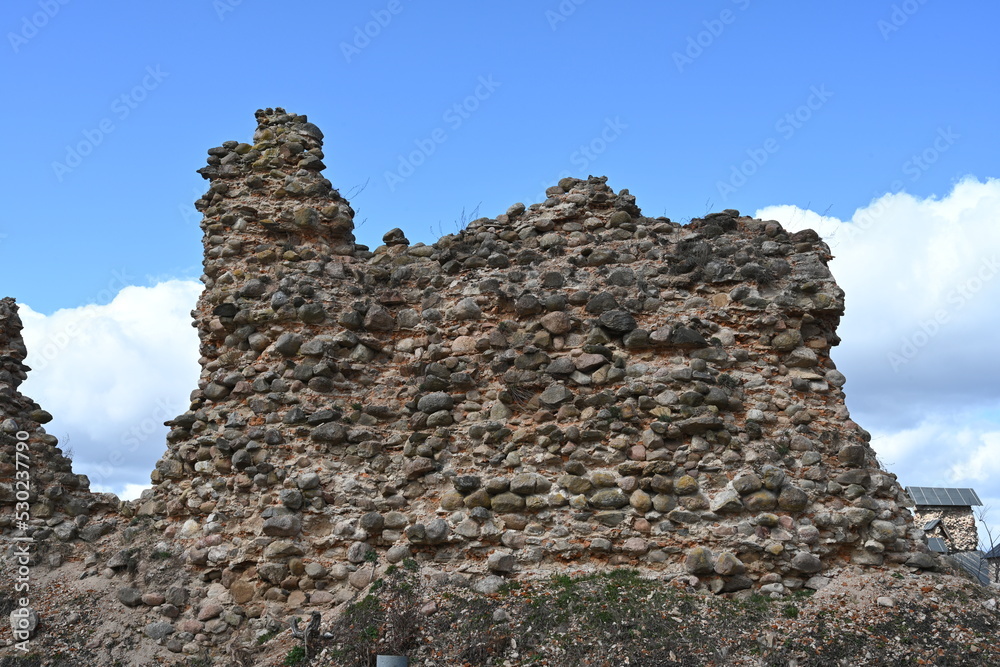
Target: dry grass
621	618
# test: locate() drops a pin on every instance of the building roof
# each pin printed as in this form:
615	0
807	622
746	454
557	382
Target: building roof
994	552
932	496
975	564
937	545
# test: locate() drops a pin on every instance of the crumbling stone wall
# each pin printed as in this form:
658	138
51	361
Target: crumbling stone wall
959	524
571	383
54	492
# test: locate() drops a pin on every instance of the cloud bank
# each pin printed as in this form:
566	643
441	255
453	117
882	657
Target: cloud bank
922	280
111	375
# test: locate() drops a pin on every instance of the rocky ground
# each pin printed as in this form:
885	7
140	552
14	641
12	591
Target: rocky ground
620	618
862	616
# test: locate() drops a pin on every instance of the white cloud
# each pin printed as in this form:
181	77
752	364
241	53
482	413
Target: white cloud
983	463
127	492
921	277
942	449
112	374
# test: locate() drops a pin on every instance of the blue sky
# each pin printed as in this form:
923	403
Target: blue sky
800	109
563	70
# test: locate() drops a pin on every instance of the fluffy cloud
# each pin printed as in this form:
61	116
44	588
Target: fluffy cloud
922	277
942	450
981	463
111	375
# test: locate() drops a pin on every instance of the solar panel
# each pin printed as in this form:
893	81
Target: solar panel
937	545
919	494
974	563
943	497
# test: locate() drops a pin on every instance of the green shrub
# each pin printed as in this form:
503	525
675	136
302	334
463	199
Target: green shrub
296	656
385	621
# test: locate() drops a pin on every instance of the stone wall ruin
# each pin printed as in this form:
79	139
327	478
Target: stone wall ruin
30	460
568	385
571	383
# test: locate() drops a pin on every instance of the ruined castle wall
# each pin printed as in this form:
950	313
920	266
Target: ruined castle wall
30	459
571	383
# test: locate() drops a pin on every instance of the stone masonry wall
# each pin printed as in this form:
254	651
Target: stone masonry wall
56	495
568	384
960	522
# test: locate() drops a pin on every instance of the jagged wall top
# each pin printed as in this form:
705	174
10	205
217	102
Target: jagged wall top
281	172
12	350
53	487
566	382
